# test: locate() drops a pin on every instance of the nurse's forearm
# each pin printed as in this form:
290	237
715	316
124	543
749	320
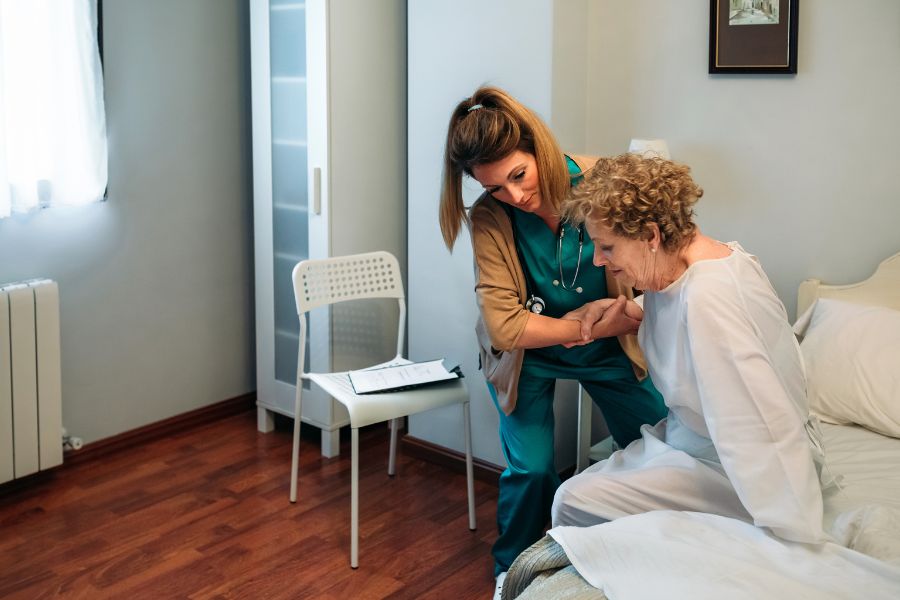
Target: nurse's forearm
542	331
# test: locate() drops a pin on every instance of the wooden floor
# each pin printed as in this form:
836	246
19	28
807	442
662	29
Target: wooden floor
205	514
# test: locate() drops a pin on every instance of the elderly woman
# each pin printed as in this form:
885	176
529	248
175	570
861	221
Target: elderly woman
737	441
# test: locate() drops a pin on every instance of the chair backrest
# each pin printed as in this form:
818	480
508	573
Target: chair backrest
318	282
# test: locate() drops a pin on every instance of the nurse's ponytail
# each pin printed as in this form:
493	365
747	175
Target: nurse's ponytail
486	128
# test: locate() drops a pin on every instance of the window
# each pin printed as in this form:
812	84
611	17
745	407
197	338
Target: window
52	126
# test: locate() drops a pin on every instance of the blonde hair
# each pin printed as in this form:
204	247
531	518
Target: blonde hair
486	128
628	192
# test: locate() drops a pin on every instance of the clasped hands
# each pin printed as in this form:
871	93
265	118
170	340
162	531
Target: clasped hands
615	316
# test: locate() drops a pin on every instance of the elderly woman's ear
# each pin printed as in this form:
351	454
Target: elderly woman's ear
653	235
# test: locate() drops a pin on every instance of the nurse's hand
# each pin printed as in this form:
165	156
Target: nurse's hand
606	318
592	312
587	315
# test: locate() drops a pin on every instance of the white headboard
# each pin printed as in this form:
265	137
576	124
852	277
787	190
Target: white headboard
881	289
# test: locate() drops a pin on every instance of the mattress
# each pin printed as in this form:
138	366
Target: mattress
867	465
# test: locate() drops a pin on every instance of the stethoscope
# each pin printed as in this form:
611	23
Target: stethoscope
559	242
535	303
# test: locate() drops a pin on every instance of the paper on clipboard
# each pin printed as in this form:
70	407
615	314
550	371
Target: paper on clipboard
400	377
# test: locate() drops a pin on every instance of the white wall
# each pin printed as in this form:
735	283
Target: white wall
156	283
455	46
800	169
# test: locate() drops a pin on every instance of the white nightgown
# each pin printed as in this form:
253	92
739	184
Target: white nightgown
737	442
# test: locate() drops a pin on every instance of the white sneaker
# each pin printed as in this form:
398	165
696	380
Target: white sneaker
498	591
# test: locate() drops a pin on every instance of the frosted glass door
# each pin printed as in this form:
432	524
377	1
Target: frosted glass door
290	214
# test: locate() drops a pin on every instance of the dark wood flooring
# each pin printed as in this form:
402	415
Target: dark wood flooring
205	514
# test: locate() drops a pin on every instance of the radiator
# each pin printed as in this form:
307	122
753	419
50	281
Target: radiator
30	391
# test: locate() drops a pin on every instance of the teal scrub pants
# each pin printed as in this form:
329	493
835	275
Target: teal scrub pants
530	480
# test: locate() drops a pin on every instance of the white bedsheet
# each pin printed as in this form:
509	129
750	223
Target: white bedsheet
696	556
868	464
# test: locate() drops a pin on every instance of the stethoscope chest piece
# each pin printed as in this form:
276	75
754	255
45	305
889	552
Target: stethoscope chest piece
535	304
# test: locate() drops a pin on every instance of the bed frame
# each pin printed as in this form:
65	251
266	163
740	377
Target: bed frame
881	289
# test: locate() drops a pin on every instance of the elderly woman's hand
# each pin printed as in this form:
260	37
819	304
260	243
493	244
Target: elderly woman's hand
633	310
622	318
618	316
587	315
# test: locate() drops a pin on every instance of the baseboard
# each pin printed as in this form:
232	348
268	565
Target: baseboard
141	435
161	429
451	459
456	461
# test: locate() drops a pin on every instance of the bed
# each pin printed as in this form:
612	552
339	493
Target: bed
851	346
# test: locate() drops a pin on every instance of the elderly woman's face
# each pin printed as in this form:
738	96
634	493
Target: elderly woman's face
626	259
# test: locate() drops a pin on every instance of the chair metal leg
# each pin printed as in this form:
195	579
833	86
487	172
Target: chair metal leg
392	458
584	431
354	497
295	453
470	484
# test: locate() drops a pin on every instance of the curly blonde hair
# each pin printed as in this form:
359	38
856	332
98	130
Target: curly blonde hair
628	192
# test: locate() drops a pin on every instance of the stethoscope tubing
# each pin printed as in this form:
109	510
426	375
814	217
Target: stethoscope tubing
536	304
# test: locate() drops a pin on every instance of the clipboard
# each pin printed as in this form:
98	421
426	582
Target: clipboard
398	378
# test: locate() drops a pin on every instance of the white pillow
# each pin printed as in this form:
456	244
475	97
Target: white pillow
852	357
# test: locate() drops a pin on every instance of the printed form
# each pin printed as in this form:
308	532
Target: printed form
394	378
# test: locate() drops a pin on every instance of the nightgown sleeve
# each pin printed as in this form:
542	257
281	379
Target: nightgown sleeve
756	426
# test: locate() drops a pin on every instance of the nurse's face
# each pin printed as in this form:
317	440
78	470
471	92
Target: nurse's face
626	259
512	180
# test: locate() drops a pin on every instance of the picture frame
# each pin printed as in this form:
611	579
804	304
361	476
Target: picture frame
753	36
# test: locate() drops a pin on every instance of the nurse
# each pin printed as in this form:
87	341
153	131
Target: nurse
738	440
532	270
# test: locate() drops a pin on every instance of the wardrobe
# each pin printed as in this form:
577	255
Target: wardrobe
328	86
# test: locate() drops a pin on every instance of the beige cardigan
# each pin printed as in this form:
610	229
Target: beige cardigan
501	294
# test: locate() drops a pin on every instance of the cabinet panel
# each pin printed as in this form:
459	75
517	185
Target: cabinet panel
290	201
289	111
289	179
287	30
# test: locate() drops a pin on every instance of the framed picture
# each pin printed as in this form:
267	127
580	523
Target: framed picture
753	36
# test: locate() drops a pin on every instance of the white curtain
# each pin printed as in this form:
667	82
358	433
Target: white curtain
52	126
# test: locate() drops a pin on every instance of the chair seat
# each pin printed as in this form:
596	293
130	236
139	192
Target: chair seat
366	409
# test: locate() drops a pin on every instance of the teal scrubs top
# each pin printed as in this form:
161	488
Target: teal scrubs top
538	247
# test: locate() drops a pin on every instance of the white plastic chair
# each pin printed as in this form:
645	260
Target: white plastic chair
354	277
